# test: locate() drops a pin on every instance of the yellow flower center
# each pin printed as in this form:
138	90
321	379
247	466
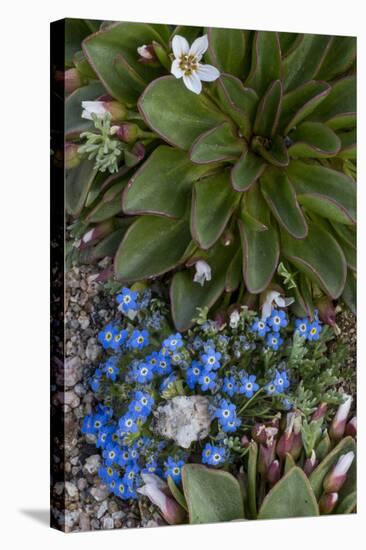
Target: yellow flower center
188	64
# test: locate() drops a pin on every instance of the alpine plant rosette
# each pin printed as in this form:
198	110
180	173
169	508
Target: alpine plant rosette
228	147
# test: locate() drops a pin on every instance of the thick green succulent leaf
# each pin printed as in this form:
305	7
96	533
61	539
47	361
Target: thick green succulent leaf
75	32
291	497
151	246
338	110
260	248
314	140
266	61
299	103
281	198
186	296
216	145
213	203
78	181
276	153
318	475
268	112
238	102
190	33
348	504
288	41
346	233
252	480
110	204
234	272
303	63
83	66
162	184
348	145
109	245
350	254
247	170
177	494
176	114
339	57
303	305
74	124
211	495
113	55
226	50
319	256
349	295
327	192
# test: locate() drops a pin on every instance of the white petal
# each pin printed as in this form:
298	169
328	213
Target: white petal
180	46
155	480
199	47
344	463
207	73
156	496
95	107
193	83
176	70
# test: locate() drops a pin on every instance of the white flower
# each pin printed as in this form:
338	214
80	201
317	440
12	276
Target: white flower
274	296
343	409
344	463
234	319
93	107
187	63
145	52
203	272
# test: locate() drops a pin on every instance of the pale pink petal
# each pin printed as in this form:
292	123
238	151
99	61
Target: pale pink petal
199	47
176	70
193	83
180	46
207	73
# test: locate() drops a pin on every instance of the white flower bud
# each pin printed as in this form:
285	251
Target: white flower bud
203	272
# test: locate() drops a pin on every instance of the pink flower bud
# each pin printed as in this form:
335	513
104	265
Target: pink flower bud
265	458
73	80
338	425
326	311
97	233
274	473
147	55
310	463
127	132
71	155
264	434
336	478
327	503
245	441
157	491
320	412
351	427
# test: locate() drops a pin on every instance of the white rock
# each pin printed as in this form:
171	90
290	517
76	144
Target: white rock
108	523
102	509
71	490
183	419
92	464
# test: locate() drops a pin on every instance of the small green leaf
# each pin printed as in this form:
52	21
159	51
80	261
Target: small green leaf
226	50
208	224
324	191
78	181
303	63
289	463
318	475
314	140
281	198
186	295
252	480
217	145
269	110
348	145
319	256
211	495
149	191
74	124
152	246
247	170
338	110
299	103
266	61
113	55
177	494
276	153
178	115
339	57
291	497
238	102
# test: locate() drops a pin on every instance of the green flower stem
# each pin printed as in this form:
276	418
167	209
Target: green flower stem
250	401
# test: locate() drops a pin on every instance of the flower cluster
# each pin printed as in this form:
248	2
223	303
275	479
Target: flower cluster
147	364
